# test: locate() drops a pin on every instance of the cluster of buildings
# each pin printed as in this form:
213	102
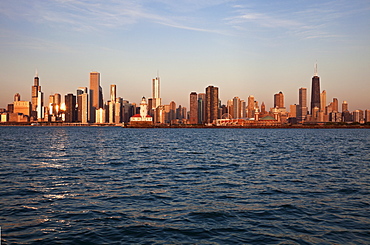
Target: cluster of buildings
88	107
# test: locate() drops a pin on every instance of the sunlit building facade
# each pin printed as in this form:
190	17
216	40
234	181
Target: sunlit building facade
193	115
96	95
211	105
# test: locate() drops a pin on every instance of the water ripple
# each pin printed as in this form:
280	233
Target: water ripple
195	186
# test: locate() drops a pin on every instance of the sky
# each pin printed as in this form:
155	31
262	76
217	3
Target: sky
243	47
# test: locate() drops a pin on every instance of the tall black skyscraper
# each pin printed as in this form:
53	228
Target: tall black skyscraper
315	92
71	112
211	105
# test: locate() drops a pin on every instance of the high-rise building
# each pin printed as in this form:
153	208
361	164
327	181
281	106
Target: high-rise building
347	116
302	106
172	115
323	101
293	111
358	116
335	105
51	105
315	92
96	95
344	106
193	119
211	105
156	93
150	107
40	105
57	99
23	107
82	105
118	110
263	109
100	115
243	109
279	100
201	107
113	93
250	106
228	109
34	95
57	102
127	111
112	104
180	112
367	116
236	108
335	117
70	111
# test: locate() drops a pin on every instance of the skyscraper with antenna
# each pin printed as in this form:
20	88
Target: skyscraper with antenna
315	92
35	89
156	98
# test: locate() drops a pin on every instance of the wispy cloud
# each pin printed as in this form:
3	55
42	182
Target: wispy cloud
306	20
83	15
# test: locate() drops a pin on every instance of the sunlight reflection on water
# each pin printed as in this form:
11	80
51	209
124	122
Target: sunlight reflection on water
114	185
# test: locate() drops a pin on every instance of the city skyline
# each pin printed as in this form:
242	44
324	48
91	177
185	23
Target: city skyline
243	48
204	108
155	91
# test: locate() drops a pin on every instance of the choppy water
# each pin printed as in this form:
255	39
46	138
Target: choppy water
76	185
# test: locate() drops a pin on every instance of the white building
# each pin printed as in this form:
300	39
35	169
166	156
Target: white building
143	117
100	115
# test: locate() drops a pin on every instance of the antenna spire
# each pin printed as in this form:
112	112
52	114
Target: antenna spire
315	69
36	73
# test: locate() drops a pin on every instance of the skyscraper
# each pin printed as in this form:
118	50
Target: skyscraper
243	109
34	95
250	106
201	107
23	107
302	107
113	92
279	100
335	105
236	107
193	108
118	110
211	105
172	115
344	106
70	103
51	105
40	105
96	95
156	93
367	116
82	105
263	109
315	92
111	105
323	101
57	102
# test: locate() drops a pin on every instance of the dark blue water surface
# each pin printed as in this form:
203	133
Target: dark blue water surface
95	185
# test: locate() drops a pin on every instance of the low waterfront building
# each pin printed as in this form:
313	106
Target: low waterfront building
248	122
142	119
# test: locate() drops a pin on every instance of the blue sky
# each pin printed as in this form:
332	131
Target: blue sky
244	47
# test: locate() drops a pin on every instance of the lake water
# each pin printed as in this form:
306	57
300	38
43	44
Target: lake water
108	185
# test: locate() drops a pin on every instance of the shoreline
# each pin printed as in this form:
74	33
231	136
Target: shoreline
284	126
